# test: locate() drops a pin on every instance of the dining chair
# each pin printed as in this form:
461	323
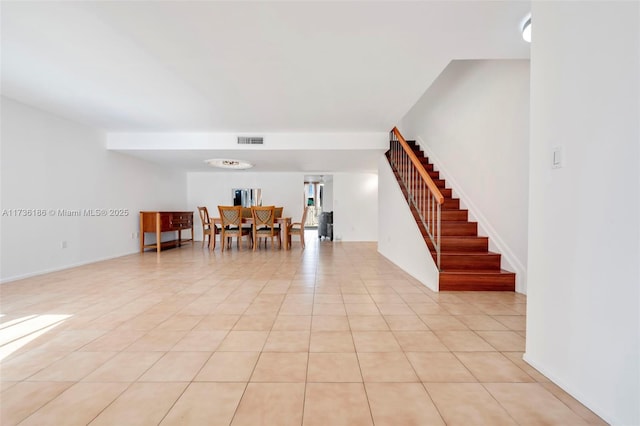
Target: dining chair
247	214
278	226
297	228
208	228
231	220
264	225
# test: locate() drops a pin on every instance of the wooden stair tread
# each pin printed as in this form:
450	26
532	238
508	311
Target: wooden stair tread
477	281
459	228
450	237
470	261
463	243
479	273
457	222
454	214
465	253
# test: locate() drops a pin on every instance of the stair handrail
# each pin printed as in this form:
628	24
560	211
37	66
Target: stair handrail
420	168
416	181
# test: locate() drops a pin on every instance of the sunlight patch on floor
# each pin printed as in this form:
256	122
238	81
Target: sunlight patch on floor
16	333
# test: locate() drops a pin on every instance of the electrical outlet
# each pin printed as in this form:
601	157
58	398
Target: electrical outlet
63	244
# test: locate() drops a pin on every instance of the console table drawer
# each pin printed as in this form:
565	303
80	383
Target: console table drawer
181	221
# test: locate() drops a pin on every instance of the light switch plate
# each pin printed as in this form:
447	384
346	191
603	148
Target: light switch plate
557	157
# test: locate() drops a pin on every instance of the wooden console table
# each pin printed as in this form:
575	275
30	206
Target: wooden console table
159	222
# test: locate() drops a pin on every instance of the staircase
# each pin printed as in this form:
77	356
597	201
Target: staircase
466	264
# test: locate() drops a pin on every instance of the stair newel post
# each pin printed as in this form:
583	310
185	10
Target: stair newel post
394	149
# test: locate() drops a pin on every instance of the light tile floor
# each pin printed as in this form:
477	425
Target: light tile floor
331	335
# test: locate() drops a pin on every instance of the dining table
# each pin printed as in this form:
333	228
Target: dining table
285	222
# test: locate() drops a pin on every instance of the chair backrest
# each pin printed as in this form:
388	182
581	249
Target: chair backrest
278	212
230	215
304	217
263	216
204	216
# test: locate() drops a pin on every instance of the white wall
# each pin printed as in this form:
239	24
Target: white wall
355	206
473	122
583	297
212	189
399	238
327	195
356	193
50	163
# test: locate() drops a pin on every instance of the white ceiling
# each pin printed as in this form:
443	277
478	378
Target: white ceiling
208	66
307	161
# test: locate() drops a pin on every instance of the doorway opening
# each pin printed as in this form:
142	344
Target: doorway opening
313	197
318	198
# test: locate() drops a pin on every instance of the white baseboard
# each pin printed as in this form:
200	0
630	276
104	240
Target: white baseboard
591	405
62	268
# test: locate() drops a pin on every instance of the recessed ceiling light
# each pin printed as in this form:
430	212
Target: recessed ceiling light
226	163
526	30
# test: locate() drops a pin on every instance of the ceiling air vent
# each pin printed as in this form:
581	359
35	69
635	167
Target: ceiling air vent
244	140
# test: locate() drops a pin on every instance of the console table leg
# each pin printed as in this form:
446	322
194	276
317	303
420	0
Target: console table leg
141	233
158	233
